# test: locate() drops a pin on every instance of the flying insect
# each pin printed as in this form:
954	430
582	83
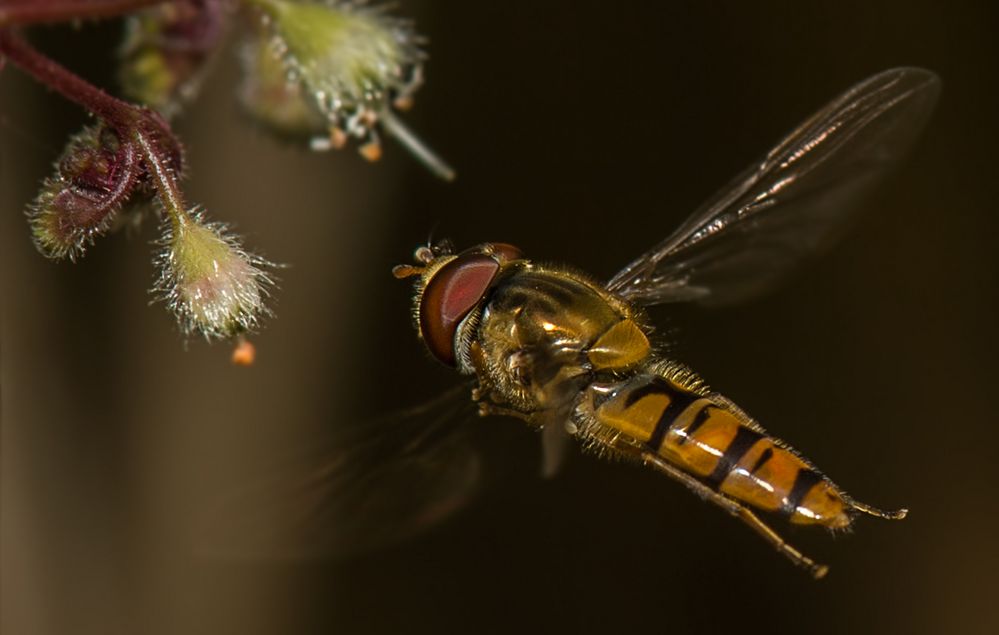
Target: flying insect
576	358
572	356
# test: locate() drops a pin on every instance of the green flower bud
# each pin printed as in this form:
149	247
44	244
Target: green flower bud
212	285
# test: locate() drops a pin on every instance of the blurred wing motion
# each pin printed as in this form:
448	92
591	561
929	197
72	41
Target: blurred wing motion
792	204
387	480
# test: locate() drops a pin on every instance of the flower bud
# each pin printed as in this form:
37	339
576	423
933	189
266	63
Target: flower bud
211	284
166	49
95	175
354	63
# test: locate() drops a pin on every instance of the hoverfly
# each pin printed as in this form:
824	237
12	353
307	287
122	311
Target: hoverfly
573	357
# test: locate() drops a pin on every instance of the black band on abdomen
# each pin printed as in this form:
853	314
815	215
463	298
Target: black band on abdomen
744	439
679	400
803	483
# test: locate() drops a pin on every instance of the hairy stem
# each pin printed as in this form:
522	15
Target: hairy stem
159	170
22	12
117	113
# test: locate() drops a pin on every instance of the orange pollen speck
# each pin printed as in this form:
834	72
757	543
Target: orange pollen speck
372	151
245	353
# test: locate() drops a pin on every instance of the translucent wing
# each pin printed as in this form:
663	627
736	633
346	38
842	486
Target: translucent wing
790	205
383	482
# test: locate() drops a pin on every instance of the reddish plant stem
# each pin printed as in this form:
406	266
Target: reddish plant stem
22	12
119	114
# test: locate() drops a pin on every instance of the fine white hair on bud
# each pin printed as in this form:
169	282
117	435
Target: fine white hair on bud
210	283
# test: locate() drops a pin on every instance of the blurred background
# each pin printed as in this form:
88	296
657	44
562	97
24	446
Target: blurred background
582	132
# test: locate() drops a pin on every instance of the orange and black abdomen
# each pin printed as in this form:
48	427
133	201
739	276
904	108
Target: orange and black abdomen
710	439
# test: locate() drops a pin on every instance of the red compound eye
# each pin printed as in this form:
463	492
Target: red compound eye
450	296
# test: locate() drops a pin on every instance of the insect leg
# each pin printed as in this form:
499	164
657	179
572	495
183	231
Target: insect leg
741	512
486	409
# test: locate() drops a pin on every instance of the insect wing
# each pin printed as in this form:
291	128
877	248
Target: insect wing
792	204
385	481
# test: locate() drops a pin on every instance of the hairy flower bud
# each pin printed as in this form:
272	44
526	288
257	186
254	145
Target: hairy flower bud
351	58
166	49
96	174
354	63
211	284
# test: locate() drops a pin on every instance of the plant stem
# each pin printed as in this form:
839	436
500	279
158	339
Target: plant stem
22	12
163	177
397	129
117	113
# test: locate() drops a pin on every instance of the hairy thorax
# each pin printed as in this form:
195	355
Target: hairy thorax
543	334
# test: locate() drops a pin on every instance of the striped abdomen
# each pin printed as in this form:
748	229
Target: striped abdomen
711	439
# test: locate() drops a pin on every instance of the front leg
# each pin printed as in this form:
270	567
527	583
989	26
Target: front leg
484	389
489	400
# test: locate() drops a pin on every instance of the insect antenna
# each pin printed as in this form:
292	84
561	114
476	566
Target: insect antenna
406	271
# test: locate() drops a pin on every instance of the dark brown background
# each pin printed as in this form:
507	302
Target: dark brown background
582	131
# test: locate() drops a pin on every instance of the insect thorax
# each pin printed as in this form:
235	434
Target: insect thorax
544	334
